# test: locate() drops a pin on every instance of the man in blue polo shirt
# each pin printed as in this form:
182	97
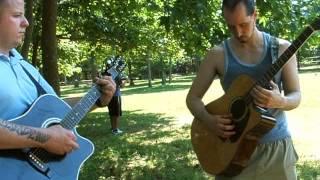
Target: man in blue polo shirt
18	91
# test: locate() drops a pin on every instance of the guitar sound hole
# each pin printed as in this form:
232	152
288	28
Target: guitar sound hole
240	114
238	109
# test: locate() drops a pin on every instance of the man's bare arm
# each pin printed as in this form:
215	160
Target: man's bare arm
291	84
209	69
19	136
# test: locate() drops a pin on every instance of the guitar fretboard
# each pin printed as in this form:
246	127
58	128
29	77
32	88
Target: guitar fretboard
285	56
85	104
81	108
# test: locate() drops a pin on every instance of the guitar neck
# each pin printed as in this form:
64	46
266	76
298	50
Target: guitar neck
81	108
85	104
286	55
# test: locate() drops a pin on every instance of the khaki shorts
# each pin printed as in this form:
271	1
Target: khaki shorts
270	161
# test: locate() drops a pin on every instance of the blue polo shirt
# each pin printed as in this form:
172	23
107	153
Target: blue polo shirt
17	91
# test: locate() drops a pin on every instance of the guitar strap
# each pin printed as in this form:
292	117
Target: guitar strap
274	55
40	89
274	48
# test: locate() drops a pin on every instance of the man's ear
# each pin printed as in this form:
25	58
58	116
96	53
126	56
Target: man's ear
255	14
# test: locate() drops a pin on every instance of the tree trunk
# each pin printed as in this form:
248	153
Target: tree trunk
163	72
49	43
149	71
196	61
170	70
298	61
35	48
131	80
28	35
93	66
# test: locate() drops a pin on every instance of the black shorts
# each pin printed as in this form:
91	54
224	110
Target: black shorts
115	106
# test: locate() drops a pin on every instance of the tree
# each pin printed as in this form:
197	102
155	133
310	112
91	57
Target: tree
49	44
135	29
28	35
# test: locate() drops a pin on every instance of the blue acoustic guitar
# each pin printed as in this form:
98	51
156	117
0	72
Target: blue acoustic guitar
48	110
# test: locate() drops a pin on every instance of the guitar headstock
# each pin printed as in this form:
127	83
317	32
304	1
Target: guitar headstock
114	67
316	24
121	64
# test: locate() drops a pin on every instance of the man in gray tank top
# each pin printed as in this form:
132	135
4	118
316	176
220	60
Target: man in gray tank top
249	51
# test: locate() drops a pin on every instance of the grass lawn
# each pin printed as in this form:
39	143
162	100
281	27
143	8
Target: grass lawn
156	143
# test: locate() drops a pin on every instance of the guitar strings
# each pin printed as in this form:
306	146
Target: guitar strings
70	120
282	60
41	156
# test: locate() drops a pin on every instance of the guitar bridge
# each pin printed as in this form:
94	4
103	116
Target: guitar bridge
36	162
266	124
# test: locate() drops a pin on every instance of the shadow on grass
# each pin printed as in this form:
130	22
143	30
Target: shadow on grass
310	69
309	170
178	83
141	87
70	89
154	89
151	147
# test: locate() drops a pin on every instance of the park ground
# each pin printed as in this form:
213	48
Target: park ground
303	121
156	143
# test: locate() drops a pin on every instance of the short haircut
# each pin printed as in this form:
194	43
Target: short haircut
2	4
231	4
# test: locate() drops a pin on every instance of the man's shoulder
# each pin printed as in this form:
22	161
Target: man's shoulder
15	53
216	50
215	58
283	42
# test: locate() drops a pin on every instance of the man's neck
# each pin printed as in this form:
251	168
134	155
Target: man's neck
251	51
256	40
5	51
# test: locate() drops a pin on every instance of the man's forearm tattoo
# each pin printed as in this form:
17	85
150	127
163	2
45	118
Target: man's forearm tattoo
25	131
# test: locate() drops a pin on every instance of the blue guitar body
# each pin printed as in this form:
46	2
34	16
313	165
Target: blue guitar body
38	164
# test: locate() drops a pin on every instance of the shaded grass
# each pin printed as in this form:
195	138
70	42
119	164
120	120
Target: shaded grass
141	86
310	70
154	89
70	90
150	148
308	170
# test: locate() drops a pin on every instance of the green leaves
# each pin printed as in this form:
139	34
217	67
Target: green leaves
134	28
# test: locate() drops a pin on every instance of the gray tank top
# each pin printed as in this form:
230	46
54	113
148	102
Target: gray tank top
234	67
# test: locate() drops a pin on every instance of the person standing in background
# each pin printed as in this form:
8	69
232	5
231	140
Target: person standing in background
115	105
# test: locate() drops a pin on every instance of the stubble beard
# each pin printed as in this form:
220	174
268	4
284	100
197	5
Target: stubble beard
245	39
